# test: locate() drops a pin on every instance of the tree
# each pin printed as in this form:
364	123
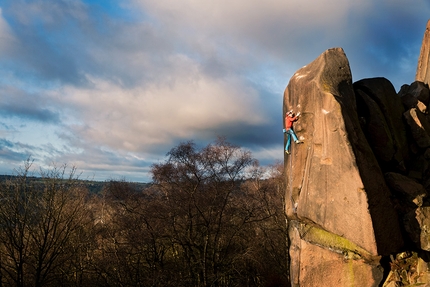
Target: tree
212	219
130	241
15	215
271	244
39	220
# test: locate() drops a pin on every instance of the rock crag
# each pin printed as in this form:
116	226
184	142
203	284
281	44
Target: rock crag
357	188
423	69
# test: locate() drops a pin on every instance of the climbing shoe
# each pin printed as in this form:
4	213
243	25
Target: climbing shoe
287	152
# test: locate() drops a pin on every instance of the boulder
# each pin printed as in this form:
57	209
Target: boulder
420	91
406	187
416	95
375	127
385	134
409	269
409	102
419	127
418	168
417	224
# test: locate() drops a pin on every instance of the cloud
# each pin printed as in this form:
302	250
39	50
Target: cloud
253	27
39	46
6	37
12	154
138	119
113	85
378	36
22	105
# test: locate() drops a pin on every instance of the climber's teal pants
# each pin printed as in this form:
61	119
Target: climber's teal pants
290	132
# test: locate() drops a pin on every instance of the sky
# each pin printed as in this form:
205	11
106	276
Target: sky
110	86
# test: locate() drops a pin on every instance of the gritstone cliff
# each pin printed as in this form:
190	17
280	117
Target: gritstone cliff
357	188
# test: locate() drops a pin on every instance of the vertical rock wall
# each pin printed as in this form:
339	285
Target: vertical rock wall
337	199
423	69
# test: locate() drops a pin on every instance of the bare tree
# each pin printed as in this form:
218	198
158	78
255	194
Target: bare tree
211	217
39	219
270	247
15	216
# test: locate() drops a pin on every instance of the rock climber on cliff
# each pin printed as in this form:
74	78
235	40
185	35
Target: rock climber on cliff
290	118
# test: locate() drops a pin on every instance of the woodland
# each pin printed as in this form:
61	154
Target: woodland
212	216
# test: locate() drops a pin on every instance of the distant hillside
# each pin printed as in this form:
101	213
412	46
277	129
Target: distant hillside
94	187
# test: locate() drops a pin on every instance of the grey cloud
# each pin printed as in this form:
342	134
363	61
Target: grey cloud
246	135
8	153
44	35
62	41
43	115
20	104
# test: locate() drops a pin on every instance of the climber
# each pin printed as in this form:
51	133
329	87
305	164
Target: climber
290	118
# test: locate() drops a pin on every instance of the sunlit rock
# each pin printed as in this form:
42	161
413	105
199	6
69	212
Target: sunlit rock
423	69
334	182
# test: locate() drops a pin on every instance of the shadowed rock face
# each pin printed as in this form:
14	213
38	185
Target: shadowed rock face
334	184
380	110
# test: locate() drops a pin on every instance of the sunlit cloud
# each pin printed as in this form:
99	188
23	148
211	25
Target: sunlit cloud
112	86
136	119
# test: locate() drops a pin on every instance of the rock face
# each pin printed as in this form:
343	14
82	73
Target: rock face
357	188
423	69
334	182
380	111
